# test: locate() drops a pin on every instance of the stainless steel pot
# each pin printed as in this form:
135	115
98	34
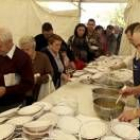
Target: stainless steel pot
100	92
106	107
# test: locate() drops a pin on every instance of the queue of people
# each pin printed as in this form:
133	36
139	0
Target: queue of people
24	68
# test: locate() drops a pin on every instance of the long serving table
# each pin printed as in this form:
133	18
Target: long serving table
79	96
75	91
82	95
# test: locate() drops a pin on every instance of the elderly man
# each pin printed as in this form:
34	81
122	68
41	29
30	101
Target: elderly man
16	75
133	35
41	64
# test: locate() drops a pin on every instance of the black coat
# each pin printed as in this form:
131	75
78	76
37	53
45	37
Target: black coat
57	75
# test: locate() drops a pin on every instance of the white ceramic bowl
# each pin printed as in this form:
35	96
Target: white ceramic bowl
37	126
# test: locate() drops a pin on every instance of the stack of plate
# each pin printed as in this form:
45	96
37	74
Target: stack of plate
46	105
37	129
19	122
30	110
6	131
91	70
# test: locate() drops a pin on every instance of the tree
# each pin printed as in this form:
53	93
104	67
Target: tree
117	16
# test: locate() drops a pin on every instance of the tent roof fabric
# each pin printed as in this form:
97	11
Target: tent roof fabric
111	1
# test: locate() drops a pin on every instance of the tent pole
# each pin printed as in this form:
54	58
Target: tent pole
79	9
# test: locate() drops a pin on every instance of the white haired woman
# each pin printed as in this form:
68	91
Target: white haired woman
41	64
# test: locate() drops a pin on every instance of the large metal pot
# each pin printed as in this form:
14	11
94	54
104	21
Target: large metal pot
109	82
106	107
100	92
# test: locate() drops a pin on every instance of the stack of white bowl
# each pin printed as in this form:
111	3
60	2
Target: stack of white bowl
37	129
19	122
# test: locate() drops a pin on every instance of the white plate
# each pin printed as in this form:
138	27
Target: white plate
84	118
103	69
46	105
122	75
19	121
60	135
69	124
91	70
9	113
121	128
78	73
37	126
10	137
51	117
111	138
19	139
97	76
63	110
93	130
30	110
6	130
3	119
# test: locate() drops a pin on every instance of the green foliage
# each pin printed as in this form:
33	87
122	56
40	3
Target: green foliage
117	16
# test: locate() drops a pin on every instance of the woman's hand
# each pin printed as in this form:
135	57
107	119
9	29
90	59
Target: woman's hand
65	77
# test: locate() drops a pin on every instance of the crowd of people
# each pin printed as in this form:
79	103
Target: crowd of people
24	68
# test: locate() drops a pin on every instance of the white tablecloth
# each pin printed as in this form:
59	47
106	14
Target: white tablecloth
81	93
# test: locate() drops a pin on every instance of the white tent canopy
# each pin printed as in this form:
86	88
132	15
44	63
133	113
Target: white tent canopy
112	1
26	17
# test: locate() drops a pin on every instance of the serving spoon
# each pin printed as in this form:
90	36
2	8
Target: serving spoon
120	96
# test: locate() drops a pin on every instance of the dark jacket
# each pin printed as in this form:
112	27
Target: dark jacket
56	75
79	48
41	42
